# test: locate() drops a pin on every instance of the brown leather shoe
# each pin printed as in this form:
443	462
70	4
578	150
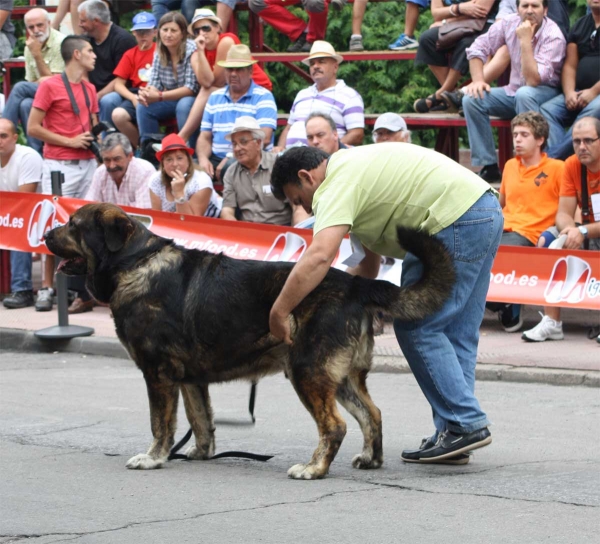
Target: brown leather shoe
78	306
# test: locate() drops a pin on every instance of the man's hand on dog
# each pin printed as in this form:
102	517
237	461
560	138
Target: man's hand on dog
280	326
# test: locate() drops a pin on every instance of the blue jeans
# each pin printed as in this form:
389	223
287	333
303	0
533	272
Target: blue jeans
559	117
108	103
18	106
160	7
441	350
20	271
498	103
149	117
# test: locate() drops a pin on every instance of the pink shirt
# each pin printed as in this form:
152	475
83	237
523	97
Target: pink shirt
133	190
549	49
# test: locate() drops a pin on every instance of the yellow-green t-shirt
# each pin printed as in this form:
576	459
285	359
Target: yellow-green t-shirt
375	188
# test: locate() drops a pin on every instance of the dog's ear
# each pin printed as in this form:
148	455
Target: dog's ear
117	229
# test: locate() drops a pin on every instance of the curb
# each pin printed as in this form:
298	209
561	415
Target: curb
384	359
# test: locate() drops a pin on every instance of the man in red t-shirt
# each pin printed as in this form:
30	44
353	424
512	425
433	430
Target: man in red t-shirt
67	136
586	144
133	72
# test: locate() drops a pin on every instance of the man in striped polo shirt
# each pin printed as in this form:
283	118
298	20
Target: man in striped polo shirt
328	95
240	97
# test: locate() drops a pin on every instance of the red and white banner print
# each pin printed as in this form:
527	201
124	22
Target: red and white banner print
521	275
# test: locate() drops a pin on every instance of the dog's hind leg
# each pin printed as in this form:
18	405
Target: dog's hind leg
163	397
354	397
196	400
317	392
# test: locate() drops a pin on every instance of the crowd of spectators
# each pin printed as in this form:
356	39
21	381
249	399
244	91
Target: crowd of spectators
183	71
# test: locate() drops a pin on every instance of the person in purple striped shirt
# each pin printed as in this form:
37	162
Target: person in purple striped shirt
537	51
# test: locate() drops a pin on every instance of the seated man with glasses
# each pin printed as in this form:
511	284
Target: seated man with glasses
212	46
580	83
586	143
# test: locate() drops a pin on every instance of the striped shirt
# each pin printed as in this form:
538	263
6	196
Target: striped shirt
549	49
133	190
163	79
341	102
221	112
200	180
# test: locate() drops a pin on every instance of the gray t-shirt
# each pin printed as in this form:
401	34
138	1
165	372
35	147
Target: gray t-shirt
8	29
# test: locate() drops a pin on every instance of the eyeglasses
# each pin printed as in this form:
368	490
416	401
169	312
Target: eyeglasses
587	141
242	142
205	28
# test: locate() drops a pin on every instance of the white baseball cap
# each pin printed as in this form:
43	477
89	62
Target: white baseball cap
390	121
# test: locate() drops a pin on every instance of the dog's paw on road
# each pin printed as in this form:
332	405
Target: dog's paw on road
305	472
365	461
143	461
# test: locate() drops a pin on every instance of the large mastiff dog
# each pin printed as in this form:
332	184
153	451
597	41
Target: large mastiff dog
191	318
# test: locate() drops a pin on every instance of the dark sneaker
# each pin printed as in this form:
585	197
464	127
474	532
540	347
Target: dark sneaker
510	317
414	456
450	444
338	4
19	299
297	46
453	100
43	302
491	173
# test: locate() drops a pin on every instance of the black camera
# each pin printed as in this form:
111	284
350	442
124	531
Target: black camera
96	131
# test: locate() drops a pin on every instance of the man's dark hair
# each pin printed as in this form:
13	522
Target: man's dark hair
324	116
290	162
71	44
544	3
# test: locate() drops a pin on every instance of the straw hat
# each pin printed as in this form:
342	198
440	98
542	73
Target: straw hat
322	49
204	13
390	121
238	56
245	123
171	143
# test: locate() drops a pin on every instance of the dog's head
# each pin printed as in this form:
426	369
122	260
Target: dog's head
94	233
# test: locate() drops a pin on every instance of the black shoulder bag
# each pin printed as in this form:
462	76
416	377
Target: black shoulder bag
585	204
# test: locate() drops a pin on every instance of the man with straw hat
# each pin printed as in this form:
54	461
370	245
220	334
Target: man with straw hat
328	95
240	97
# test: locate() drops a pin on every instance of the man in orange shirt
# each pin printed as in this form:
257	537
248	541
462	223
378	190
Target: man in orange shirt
528	195
586	143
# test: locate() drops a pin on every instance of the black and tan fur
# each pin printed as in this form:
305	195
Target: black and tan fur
191	318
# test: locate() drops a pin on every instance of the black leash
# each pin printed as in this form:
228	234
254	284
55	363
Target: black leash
241	454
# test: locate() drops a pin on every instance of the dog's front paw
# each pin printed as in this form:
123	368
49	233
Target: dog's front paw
365	461
143	461
305	472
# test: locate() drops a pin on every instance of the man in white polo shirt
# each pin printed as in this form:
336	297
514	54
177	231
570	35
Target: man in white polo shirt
328	95
20	171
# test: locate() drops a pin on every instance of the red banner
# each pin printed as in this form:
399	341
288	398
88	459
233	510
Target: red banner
521	275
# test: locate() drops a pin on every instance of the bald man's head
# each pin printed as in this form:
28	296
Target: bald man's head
8	137
37	23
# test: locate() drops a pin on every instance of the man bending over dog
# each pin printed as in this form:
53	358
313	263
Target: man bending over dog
371	190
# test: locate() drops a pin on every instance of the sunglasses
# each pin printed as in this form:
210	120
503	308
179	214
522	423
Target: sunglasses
205	28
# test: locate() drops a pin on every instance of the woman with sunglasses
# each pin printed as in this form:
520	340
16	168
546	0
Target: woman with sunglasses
212	45
173	86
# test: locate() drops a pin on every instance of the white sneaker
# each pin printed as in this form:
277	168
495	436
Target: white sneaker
546	329
43	302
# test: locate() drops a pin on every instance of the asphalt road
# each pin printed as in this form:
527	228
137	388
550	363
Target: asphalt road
70	422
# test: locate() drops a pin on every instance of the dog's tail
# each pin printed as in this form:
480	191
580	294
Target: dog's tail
426	296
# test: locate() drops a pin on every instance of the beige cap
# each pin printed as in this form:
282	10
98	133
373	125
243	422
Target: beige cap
238	56
322	49
391	121
245	123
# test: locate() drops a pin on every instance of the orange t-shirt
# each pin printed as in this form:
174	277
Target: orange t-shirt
531	194
571	185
